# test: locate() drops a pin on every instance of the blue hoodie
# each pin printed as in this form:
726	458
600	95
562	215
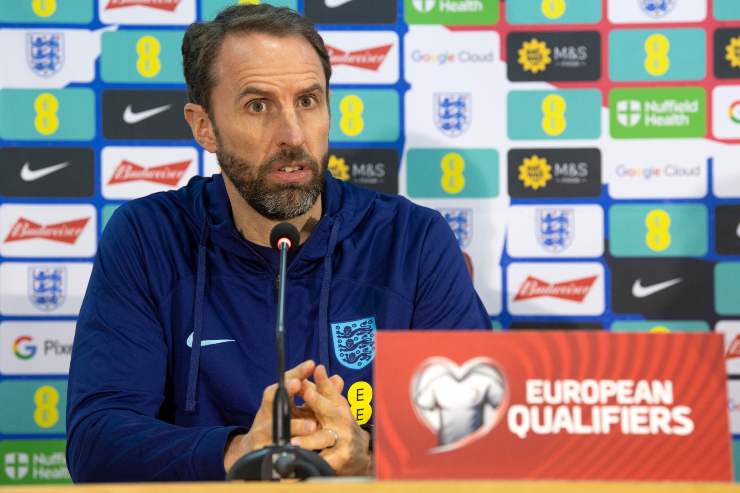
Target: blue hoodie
175	340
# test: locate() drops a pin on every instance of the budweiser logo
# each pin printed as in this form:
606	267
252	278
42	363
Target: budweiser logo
369	59
575	290
169	5
166	174
733	350
66	232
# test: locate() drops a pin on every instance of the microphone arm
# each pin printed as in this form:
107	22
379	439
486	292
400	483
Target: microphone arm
281	460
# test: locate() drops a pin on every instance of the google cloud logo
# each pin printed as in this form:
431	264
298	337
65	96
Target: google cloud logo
734	111
23	347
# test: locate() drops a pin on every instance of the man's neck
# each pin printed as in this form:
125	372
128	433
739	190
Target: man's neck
256	228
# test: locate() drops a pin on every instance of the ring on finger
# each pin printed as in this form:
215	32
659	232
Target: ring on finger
335	435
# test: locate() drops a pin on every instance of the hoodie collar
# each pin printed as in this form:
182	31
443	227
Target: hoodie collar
341	202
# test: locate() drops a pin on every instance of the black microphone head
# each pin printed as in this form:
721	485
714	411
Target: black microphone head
284	231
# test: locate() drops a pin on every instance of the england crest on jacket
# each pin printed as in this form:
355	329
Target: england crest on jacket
45	52
452	112
354	342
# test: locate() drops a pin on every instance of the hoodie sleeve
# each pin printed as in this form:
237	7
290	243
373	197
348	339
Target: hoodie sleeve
445	296
117	379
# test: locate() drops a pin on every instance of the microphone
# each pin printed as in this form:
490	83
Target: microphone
281	460
282	237
284	233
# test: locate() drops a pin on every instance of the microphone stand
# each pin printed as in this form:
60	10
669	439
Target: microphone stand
281	460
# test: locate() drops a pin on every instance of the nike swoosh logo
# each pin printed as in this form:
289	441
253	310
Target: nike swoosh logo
640	291
28	174
737	230
206	342
131	117
332	4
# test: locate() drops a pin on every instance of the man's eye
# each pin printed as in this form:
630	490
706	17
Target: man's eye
257	106
307	101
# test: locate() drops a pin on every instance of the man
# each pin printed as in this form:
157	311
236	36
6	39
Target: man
174	355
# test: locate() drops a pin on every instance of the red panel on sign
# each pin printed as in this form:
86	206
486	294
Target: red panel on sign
551	405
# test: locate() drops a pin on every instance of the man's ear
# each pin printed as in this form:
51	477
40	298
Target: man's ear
202	127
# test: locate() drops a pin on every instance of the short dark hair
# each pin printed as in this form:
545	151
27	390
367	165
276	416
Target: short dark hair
202	41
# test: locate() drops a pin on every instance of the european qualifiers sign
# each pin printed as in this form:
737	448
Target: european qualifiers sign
551	405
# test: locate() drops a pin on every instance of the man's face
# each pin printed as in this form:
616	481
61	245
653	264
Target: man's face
271	119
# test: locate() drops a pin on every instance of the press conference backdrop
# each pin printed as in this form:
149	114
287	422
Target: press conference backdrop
584	152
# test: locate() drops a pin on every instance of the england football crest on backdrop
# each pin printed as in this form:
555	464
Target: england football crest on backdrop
45	53
460	221
555	229
47	287
354	342
452	112
657	8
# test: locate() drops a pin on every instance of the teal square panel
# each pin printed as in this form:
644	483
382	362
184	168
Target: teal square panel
660	326
106	214
657	54
209	8
554	115
48	114
142	56
33	406
727	10
364	115
658	230
553	11
452	173
727	288
735	454
47	11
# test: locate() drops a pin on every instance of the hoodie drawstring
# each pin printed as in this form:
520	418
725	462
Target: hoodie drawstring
324	299
200	291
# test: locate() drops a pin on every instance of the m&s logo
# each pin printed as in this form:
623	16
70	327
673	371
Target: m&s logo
24	348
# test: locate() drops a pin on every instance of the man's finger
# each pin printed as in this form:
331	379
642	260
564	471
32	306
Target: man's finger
338	383
316	441
323	384
322	406
292	385
302	371
303	427
268	395
336	380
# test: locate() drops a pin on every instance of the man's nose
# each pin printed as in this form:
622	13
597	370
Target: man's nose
290	128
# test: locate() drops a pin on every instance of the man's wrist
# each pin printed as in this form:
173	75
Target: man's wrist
234	449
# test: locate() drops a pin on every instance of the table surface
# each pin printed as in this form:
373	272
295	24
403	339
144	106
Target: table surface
364	486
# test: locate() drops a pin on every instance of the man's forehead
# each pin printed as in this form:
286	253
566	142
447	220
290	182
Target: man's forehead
266	52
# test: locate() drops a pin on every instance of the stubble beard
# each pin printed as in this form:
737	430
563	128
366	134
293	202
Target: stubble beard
277	202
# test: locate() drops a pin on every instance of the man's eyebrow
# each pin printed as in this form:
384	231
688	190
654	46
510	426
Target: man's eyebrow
313	88
252	90
256	91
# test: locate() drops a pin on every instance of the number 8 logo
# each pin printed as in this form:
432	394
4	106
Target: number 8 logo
44	8
148	49
46	106
46	413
